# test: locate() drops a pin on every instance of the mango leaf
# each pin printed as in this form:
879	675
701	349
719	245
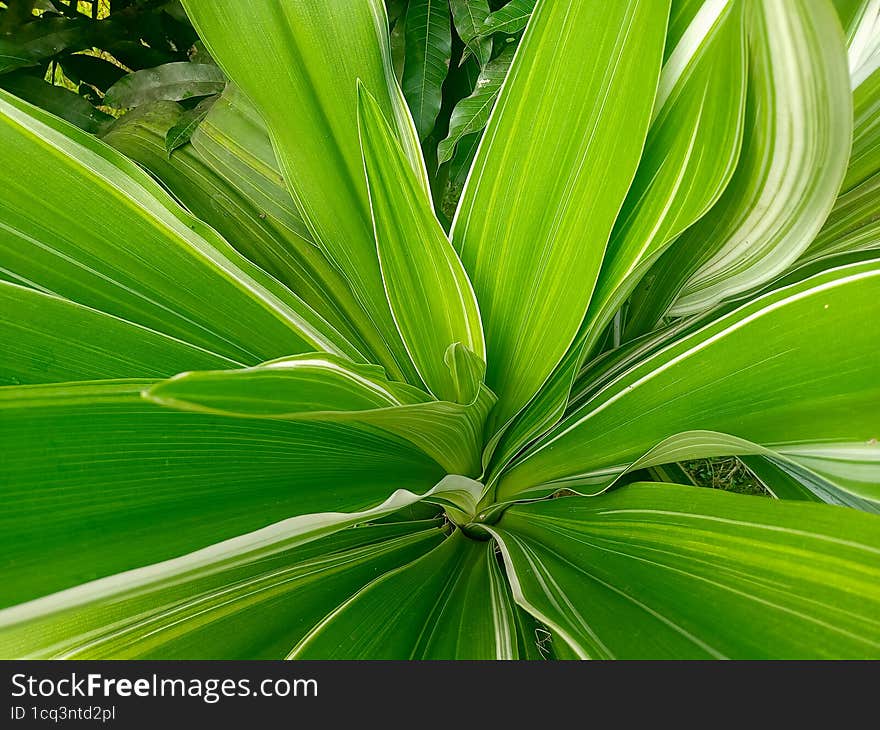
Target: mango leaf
315	52
61	102
510	19
760	372
171	81
468	17
135	253
540	152
451	603
104	481
322	388
91	70
791	580
35	41
251	604
427	55
429	293
798	131
183	128
471	114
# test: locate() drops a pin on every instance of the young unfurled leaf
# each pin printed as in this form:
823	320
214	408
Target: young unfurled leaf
428	290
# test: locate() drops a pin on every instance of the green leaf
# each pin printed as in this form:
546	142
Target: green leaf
760	372
853	225
452	603
428	50
690	154
91	70
795	150
61	102
315	52
550	131
171	81
47	339
634	573
183	129
861	23
471	114
468	17
323	388
43	38
509	19
90	226
864	159
235	188
250	605
104	481
431	299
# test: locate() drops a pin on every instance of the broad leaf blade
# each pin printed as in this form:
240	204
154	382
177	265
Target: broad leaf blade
760	372
783	579
321	388
98	480
250	605
795	151
690	153
47	339
115	241
450	604
540	153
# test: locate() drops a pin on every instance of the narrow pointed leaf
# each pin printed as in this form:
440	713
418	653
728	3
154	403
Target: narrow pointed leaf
510	19
431	299
471	114
468	16
314	51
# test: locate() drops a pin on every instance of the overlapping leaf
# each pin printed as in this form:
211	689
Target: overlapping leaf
795	151
431	299
89	225
323	388
784	579
542	152
452	603
761	372
256	604
314	52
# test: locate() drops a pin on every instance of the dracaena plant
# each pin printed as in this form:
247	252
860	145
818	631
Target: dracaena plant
259	402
